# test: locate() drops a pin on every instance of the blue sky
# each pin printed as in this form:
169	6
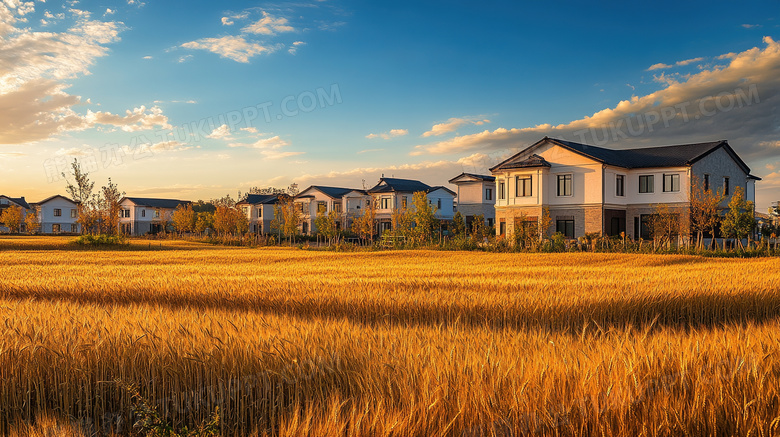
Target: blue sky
140	91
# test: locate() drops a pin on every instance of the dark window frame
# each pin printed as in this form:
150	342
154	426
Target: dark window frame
524	186
565	227
565	185
648	186
671	183
620	185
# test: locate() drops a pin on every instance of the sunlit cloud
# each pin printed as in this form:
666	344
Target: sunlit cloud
235	48
387	135
451	125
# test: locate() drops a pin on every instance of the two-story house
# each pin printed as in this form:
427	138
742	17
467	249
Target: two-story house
259	210
348	203
391	194
475	196
58	214
590	189
7	202
141	215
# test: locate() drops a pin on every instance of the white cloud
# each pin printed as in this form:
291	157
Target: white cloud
294	49
230	47
226	21
11	154
249	129
183	59
750	26
269	147
147	57
75	152
451	125
268	25
35	68
138	119
109	11
369	151
662	66
220	132
387	135
169	146
751	125
264	143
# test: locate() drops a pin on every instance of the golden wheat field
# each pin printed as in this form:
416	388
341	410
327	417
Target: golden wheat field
289	342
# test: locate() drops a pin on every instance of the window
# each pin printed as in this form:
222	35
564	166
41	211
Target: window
246	210
565	227
124	213
73	213
55	228
438	203
156	213
385	203
74	228
502	227
337	207
260	212
57	212
671	183
299	207
488	194
564	184
368	203
501	190
322	207
620	185
523	186
403	202
706	182
646	184
645	226
725	186
143	213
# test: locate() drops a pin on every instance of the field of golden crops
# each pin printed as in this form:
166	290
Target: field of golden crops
397	343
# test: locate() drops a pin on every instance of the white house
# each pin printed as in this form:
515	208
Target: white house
139	215
58	214
391	194
590	189
476	195
317	199
259	210
7	202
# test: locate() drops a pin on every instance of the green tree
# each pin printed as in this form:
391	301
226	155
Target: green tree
738	222
364	226
458	224
424	217
704	207
479	229
204	221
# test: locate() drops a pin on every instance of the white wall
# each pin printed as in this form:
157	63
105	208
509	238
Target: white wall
68	217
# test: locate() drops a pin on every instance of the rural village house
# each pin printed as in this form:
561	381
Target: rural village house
58	214
392	194
139	215
259	211
475	196
592	189
347	203
7	202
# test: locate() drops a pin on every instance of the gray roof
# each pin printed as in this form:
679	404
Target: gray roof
475	176
54	197
19	201
440	187
260	199
530	162
662	156
387	185
157	203
332	192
